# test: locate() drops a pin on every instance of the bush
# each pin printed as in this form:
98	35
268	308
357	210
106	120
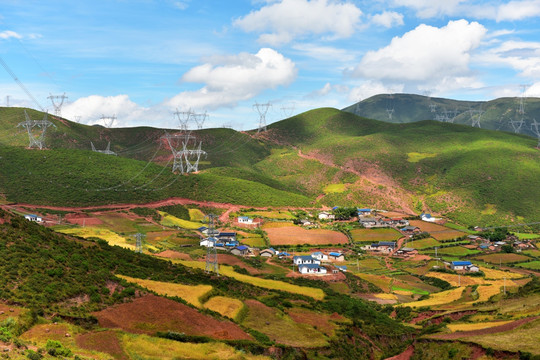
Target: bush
55	348
32	355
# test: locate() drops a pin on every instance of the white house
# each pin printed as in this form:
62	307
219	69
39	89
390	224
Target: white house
305	259
32	217
460	265
312	269
207	242
325	215
335	256
319	256
245	220
428	217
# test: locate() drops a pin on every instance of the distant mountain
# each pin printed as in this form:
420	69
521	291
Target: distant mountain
320	157
494	115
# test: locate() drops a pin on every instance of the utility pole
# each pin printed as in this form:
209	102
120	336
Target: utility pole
29	125
211	252
57	102
262	109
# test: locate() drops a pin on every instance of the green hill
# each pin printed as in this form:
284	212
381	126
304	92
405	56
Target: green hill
405	108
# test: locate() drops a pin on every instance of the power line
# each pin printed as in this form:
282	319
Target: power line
21	85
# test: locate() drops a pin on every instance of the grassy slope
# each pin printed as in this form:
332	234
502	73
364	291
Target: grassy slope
411	108
467	171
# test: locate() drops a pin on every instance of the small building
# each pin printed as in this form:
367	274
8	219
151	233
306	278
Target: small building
267	252
410	229
305	222
226	236
460	265
241	250
245	220
312	269
335	256
319	256
363	212
203	230
406	252
473	268
368	222
382	247
341	268
428	217
325	215
34	218
305	259
208	242
283	254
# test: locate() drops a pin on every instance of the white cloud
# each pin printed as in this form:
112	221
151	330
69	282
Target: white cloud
281	22
230	79
431	8
518	10
533	90
522	56
325	53
9	34
427	55
371	88
388	19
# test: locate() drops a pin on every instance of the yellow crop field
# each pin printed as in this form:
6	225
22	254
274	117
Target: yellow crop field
190	293
147	347
111	237
196	215
457	280
441	298
226	270
272	225
499	274
381	281
226	306
169	220
385	296
493	288
476	326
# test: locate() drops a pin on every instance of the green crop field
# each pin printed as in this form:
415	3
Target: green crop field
533	265
455	251
502	258
423	244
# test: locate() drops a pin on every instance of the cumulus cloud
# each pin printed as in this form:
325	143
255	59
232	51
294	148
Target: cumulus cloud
523	56
281	22
431	8
518	10
9	34
387	19
426	54
230	79
370	88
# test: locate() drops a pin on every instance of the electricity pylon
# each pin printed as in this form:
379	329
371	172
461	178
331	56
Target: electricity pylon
106	151
186	160
57	102
139	242
183	118
108	121
200	119
211	253
517	125
262	109
29	125
287	111
536	130
476	116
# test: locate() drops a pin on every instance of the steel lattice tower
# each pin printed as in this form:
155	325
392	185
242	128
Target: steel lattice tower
200	119
517	125
29	125
106	151
108	121
186	160
57	102
211	252
183	118
535	128
262	109
476	116
139	242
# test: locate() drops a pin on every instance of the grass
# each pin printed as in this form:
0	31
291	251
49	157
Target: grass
533	265
334	188
375	235
415	157
456	251
254	241
527	236
382	281
147	347
190	293
423	244
534	252
315	293
226	306
286	215
525	338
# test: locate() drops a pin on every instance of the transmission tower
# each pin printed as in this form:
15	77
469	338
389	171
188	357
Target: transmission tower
433	108
139	242
29	125
536	130
200	119
517	125
521	107
476	116
108	121
186	160
106	151
390	107
288	111
262	109
7	100
77	118
57	102
183	118
211	252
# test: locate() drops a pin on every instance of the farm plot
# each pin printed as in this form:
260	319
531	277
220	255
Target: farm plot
533	265
190	293
502	258
423	244
111	237
169	220
374	235
118	222
382	281
280	327
150	313
499	274
439	232
456	251
295	235
103	341
285	215
440	298
326	323
226	306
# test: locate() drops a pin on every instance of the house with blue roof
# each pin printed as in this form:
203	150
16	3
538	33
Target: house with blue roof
33	217
336	256
363	212
460	265
312	269
319	256
241	250
341	268
305	259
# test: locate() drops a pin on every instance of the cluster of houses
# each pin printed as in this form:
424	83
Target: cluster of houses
478	242
311	264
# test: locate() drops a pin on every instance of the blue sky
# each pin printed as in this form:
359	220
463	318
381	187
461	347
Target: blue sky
141	60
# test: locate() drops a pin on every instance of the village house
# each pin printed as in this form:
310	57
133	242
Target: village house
368	222
241	250
319	256
207	242
267	252
406	252
325	215
312	269
225	237
385	247
363	212
335	256
428	217
305	259
460	265
410	230
245	220
34	218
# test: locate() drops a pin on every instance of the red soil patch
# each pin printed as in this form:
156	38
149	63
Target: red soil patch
295	235
150	313
103	341
9	311
323	322
233	260
171	254
406	355
493	330
47	331
423	316
82	219
454	316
